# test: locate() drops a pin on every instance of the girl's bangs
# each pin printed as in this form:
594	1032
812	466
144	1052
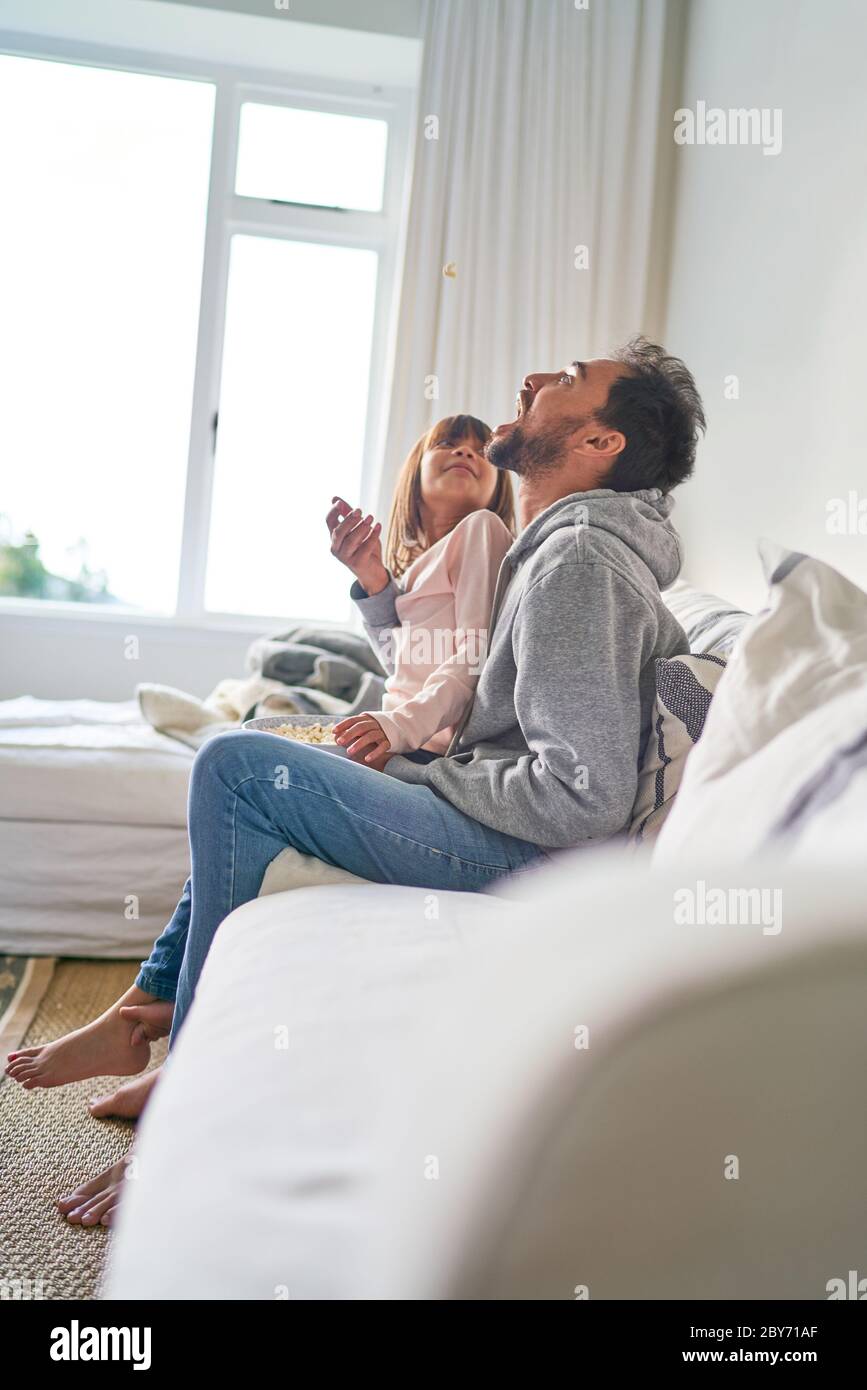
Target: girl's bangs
457	427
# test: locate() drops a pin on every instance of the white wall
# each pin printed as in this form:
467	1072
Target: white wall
380	16
263	40
64	657
769	282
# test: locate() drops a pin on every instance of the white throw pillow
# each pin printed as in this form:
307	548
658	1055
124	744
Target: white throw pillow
684	688
711	623
291	869
786	723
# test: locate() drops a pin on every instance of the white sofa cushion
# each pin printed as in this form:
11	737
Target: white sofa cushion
281	1138
606	1171
711	623
291	869
787	725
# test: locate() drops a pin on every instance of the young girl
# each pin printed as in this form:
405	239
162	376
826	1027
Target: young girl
451	523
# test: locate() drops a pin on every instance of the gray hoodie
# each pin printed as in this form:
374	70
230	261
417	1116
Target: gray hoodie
550	747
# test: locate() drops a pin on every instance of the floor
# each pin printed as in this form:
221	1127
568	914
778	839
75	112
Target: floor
49	1144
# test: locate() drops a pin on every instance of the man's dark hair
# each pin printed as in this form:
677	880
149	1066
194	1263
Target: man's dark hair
656	406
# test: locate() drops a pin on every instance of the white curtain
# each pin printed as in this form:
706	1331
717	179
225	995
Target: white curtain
554	132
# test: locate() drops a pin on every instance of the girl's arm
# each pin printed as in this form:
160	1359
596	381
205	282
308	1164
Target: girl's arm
380	619
356	543
480	543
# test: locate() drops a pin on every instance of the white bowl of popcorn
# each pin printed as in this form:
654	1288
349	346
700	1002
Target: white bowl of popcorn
315	729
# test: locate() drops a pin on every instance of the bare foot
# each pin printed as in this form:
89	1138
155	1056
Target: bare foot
154	1020
128	1101
109	1046
95	1202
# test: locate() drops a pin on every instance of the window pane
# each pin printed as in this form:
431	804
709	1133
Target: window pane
293	405
316	157
103	198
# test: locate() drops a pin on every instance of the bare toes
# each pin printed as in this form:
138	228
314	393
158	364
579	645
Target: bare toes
99	1210
84	1207
16	1069
72	1199
86	1210
82	1194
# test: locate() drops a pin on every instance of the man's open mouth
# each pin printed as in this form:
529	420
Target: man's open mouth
521	403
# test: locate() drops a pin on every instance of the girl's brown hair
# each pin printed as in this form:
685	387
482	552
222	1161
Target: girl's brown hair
406	540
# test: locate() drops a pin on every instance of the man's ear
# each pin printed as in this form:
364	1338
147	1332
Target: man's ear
597	443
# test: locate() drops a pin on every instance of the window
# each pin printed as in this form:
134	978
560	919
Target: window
103	199
296	364
312	157
196	272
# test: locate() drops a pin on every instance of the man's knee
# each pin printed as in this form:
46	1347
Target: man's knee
231	758
215	757
240	753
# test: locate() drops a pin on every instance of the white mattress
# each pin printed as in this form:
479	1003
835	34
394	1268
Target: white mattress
92	828
89	760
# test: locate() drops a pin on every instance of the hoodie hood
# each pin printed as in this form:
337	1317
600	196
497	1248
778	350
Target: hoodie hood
640	520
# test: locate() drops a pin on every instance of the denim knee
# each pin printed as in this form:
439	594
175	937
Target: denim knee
216	755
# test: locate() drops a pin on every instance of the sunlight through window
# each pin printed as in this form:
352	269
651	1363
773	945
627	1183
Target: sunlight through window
103	200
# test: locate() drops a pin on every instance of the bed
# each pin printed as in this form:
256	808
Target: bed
93	837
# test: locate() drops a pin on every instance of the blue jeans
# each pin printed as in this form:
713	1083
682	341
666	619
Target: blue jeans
253	793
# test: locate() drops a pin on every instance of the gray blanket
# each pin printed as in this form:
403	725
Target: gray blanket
327	671
313	661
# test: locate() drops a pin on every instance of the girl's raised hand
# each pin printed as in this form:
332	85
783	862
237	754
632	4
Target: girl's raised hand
356	542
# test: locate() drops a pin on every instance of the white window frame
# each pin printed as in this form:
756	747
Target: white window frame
228	214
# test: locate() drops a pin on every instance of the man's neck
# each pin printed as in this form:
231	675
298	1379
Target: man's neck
537	493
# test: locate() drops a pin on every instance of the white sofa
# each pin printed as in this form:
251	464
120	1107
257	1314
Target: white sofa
430	1129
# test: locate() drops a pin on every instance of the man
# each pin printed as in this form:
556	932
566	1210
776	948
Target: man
551	748
548	757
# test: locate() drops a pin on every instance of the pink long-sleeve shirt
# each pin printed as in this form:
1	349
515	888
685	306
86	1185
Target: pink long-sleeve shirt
440	647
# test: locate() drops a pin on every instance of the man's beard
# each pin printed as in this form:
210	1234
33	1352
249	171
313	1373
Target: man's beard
518	452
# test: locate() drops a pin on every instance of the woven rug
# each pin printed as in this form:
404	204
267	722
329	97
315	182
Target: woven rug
23	982
50	1144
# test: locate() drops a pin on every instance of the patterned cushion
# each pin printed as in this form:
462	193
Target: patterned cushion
684	688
